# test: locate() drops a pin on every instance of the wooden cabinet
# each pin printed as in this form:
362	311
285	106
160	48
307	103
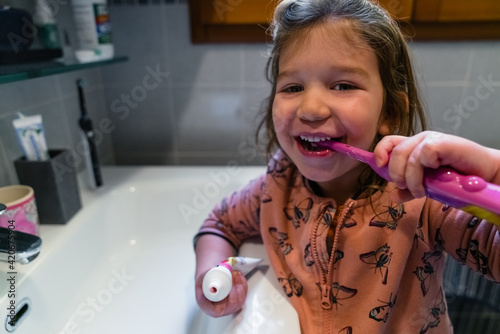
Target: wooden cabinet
230	20
456	19
237	11
223	21
400	9
456	11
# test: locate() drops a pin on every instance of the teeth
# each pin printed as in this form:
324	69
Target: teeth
314	139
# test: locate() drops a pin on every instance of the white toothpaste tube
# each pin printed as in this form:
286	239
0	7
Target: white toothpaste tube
218	281
31	137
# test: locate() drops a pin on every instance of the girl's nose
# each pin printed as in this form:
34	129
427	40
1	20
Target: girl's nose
313	106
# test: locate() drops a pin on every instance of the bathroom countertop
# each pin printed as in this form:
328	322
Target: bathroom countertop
125	262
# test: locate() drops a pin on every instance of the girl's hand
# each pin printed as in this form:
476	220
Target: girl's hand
410	155
231	304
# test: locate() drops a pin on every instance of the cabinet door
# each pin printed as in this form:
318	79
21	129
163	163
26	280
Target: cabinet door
237	11
457	10
230	21
261	11
247	20
399	9
216	21
456	19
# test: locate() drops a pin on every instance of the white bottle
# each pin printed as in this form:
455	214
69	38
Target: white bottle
93	30
45	23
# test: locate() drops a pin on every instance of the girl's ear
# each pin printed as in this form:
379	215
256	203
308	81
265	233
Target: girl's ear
384	128
388	125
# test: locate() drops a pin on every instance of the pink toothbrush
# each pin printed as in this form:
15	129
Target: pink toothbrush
465	192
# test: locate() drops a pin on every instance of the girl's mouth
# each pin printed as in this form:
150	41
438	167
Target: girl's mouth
310	143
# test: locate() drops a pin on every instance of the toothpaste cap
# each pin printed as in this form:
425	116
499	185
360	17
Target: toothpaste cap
217	283
216	291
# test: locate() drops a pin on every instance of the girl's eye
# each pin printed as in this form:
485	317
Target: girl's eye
343	86
293	89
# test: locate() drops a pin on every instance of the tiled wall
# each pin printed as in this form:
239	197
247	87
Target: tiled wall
203	110
178	103
461	87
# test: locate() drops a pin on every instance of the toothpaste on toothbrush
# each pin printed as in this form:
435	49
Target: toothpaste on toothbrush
218	281
31	136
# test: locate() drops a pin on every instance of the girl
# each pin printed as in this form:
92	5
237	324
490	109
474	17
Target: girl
350	255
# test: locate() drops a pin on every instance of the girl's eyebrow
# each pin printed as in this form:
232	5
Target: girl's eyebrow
285	74
355	70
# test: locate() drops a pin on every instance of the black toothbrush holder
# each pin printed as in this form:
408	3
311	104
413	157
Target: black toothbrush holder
55	184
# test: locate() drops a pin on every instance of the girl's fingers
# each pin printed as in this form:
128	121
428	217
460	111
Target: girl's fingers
386	152
236	298
414	172
399	160
427	154
408	158
385	147
241	287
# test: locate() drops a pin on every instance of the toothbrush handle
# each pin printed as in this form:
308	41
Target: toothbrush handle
465	192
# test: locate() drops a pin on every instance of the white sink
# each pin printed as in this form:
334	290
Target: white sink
125	262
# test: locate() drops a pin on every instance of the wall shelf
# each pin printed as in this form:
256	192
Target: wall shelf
25	71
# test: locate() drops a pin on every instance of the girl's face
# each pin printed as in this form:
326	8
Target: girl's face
328	88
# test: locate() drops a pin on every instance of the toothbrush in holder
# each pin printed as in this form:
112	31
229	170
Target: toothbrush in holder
469	193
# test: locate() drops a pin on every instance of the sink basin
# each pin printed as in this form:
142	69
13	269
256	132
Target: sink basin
125	262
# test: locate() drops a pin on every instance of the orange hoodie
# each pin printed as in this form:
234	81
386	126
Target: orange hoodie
384	271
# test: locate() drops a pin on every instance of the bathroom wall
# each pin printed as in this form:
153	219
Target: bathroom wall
203	108
178	103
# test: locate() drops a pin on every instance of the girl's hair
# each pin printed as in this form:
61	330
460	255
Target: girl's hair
357	20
